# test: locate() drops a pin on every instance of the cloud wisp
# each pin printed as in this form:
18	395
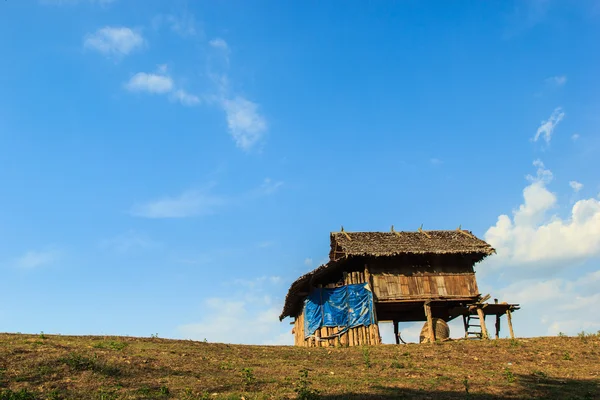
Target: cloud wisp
546	129
245	123
114	41
160	82
129	241
183	25
576	186
189	204
196	203
558	81
151	83
37	258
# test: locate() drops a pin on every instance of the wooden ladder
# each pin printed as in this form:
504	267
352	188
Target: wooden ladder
472	321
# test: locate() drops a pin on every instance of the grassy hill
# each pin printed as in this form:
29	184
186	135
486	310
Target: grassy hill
88	367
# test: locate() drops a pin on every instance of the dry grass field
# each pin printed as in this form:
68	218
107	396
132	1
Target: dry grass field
94	367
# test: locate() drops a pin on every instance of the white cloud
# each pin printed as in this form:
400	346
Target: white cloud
435	161
575	136
128	241
151	83
555	305
118	41
188	204
547	127
161	83
558	80
308	262
246	125
576	186
534	239
185	98
35	259
219	43
251	310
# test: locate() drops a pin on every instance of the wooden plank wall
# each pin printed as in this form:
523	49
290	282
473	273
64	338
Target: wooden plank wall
360	335
421	281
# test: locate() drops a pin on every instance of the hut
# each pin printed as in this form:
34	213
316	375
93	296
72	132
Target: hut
394	276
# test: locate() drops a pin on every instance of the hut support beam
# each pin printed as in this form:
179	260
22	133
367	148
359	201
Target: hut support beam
509	320
484	332
396	332
497	326
429	321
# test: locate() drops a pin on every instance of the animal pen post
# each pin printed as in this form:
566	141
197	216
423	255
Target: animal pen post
396	277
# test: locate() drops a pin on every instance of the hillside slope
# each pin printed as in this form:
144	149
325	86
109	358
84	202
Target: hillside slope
87	367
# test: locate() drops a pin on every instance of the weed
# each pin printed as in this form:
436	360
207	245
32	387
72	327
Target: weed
514	343
111	345
465	383
562	334
154	335
248	378
510	377
366	357
539	375
164	390
55	395
303	388
566	356
22	394
42	336
45	370
397	364
188	394
227	365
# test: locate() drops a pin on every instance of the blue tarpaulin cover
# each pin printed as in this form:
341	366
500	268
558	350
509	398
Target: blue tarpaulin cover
347	306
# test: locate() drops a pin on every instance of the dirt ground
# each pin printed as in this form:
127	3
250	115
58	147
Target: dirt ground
96	367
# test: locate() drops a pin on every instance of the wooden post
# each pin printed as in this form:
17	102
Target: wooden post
484	333
396	332
510	328
497	326
429	322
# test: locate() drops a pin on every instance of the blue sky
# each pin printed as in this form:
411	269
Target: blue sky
170	169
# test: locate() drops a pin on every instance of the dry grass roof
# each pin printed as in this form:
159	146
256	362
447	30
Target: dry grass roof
381	244
345	245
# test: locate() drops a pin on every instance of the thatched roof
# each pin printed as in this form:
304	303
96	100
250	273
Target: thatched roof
381	244
346	245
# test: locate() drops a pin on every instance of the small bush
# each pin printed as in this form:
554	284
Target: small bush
567	356
303	388
510	377
466	385
248	378
111	345
78	362
367	357
22	394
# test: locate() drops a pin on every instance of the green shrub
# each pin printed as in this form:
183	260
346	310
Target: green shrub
303	388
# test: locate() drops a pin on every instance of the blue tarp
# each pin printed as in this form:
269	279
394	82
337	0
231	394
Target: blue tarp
347	306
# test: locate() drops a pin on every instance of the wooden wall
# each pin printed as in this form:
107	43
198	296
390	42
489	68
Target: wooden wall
360	335
398	282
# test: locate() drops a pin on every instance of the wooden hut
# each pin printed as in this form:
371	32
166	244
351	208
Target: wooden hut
394	277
